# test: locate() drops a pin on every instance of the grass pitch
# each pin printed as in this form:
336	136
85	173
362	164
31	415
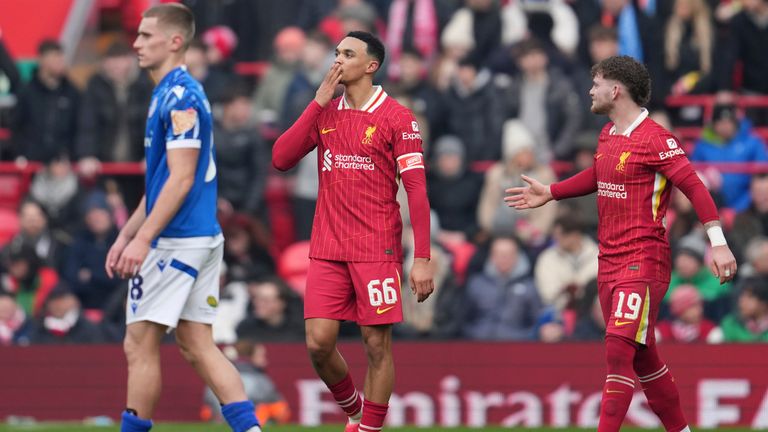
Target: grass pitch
198	427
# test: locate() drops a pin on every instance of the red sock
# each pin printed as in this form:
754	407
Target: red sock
619	383
660	389
373	416
347	396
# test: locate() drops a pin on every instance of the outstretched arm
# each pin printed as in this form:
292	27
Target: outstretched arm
537	194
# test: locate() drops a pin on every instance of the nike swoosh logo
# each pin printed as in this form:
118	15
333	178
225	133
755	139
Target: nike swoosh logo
622	323
598	156
325	131
380	311
614	391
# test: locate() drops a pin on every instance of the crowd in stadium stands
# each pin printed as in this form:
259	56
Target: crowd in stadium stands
500	89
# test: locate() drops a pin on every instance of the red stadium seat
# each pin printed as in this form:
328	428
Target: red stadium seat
9	225
462	253
293	266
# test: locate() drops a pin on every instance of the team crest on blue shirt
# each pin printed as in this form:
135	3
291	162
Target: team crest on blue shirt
183	120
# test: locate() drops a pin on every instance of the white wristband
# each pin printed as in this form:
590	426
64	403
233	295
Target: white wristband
716	236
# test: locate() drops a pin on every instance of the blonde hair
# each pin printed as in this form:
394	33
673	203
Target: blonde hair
174	15
702	33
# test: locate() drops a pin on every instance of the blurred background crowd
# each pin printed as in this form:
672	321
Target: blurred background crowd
500	88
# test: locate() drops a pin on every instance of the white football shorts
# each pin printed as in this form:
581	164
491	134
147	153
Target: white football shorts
176	284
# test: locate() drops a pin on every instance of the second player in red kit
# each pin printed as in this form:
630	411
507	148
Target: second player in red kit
367	143
636	163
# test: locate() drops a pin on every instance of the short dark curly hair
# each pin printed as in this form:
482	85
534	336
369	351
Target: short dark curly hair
629	72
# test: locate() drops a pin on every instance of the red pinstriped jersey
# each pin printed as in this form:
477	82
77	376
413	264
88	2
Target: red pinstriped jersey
632	171
357	216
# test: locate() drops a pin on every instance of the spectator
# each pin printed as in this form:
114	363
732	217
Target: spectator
412	89
756	257
688	323
563	270
63	322
57	188
241	155
251	362
603	43
45	124
681	217
28	279
233	302
314	64
730	140
750	322
220	43
748	37
493	215
689	47
545	101
501	301
438	316
583	207
35	232
590	323
640	36
14	324
474	111
245	250
114	112
753	222
270	95
689	269
10	80
84	268
276	313
414	27
485	27
453	189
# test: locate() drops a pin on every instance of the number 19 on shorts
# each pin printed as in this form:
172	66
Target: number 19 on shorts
382	292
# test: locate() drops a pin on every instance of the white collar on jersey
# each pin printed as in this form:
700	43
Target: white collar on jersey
374	102
643	115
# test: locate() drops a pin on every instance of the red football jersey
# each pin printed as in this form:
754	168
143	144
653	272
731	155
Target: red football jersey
633	193
357	216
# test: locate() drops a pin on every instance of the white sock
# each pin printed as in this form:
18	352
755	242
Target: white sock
254	429
356	418
687	429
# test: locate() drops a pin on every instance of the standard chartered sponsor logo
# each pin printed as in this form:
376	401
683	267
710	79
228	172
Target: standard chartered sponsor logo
353	162
611	190
671	153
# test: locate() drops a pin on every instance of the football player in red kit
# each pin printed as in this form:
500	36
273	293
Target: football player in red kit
366	142
636	163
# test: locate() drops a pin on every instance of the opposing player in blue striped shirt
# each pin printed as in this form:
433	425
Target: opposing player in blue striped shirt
171	248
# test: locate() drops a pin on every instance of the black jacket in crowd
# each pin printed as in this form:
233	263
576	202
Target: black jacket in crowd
242	163
99	118
45	121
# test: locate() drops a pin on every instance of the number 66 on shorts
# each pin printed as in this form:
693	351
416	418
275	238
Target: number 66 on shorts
365	292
